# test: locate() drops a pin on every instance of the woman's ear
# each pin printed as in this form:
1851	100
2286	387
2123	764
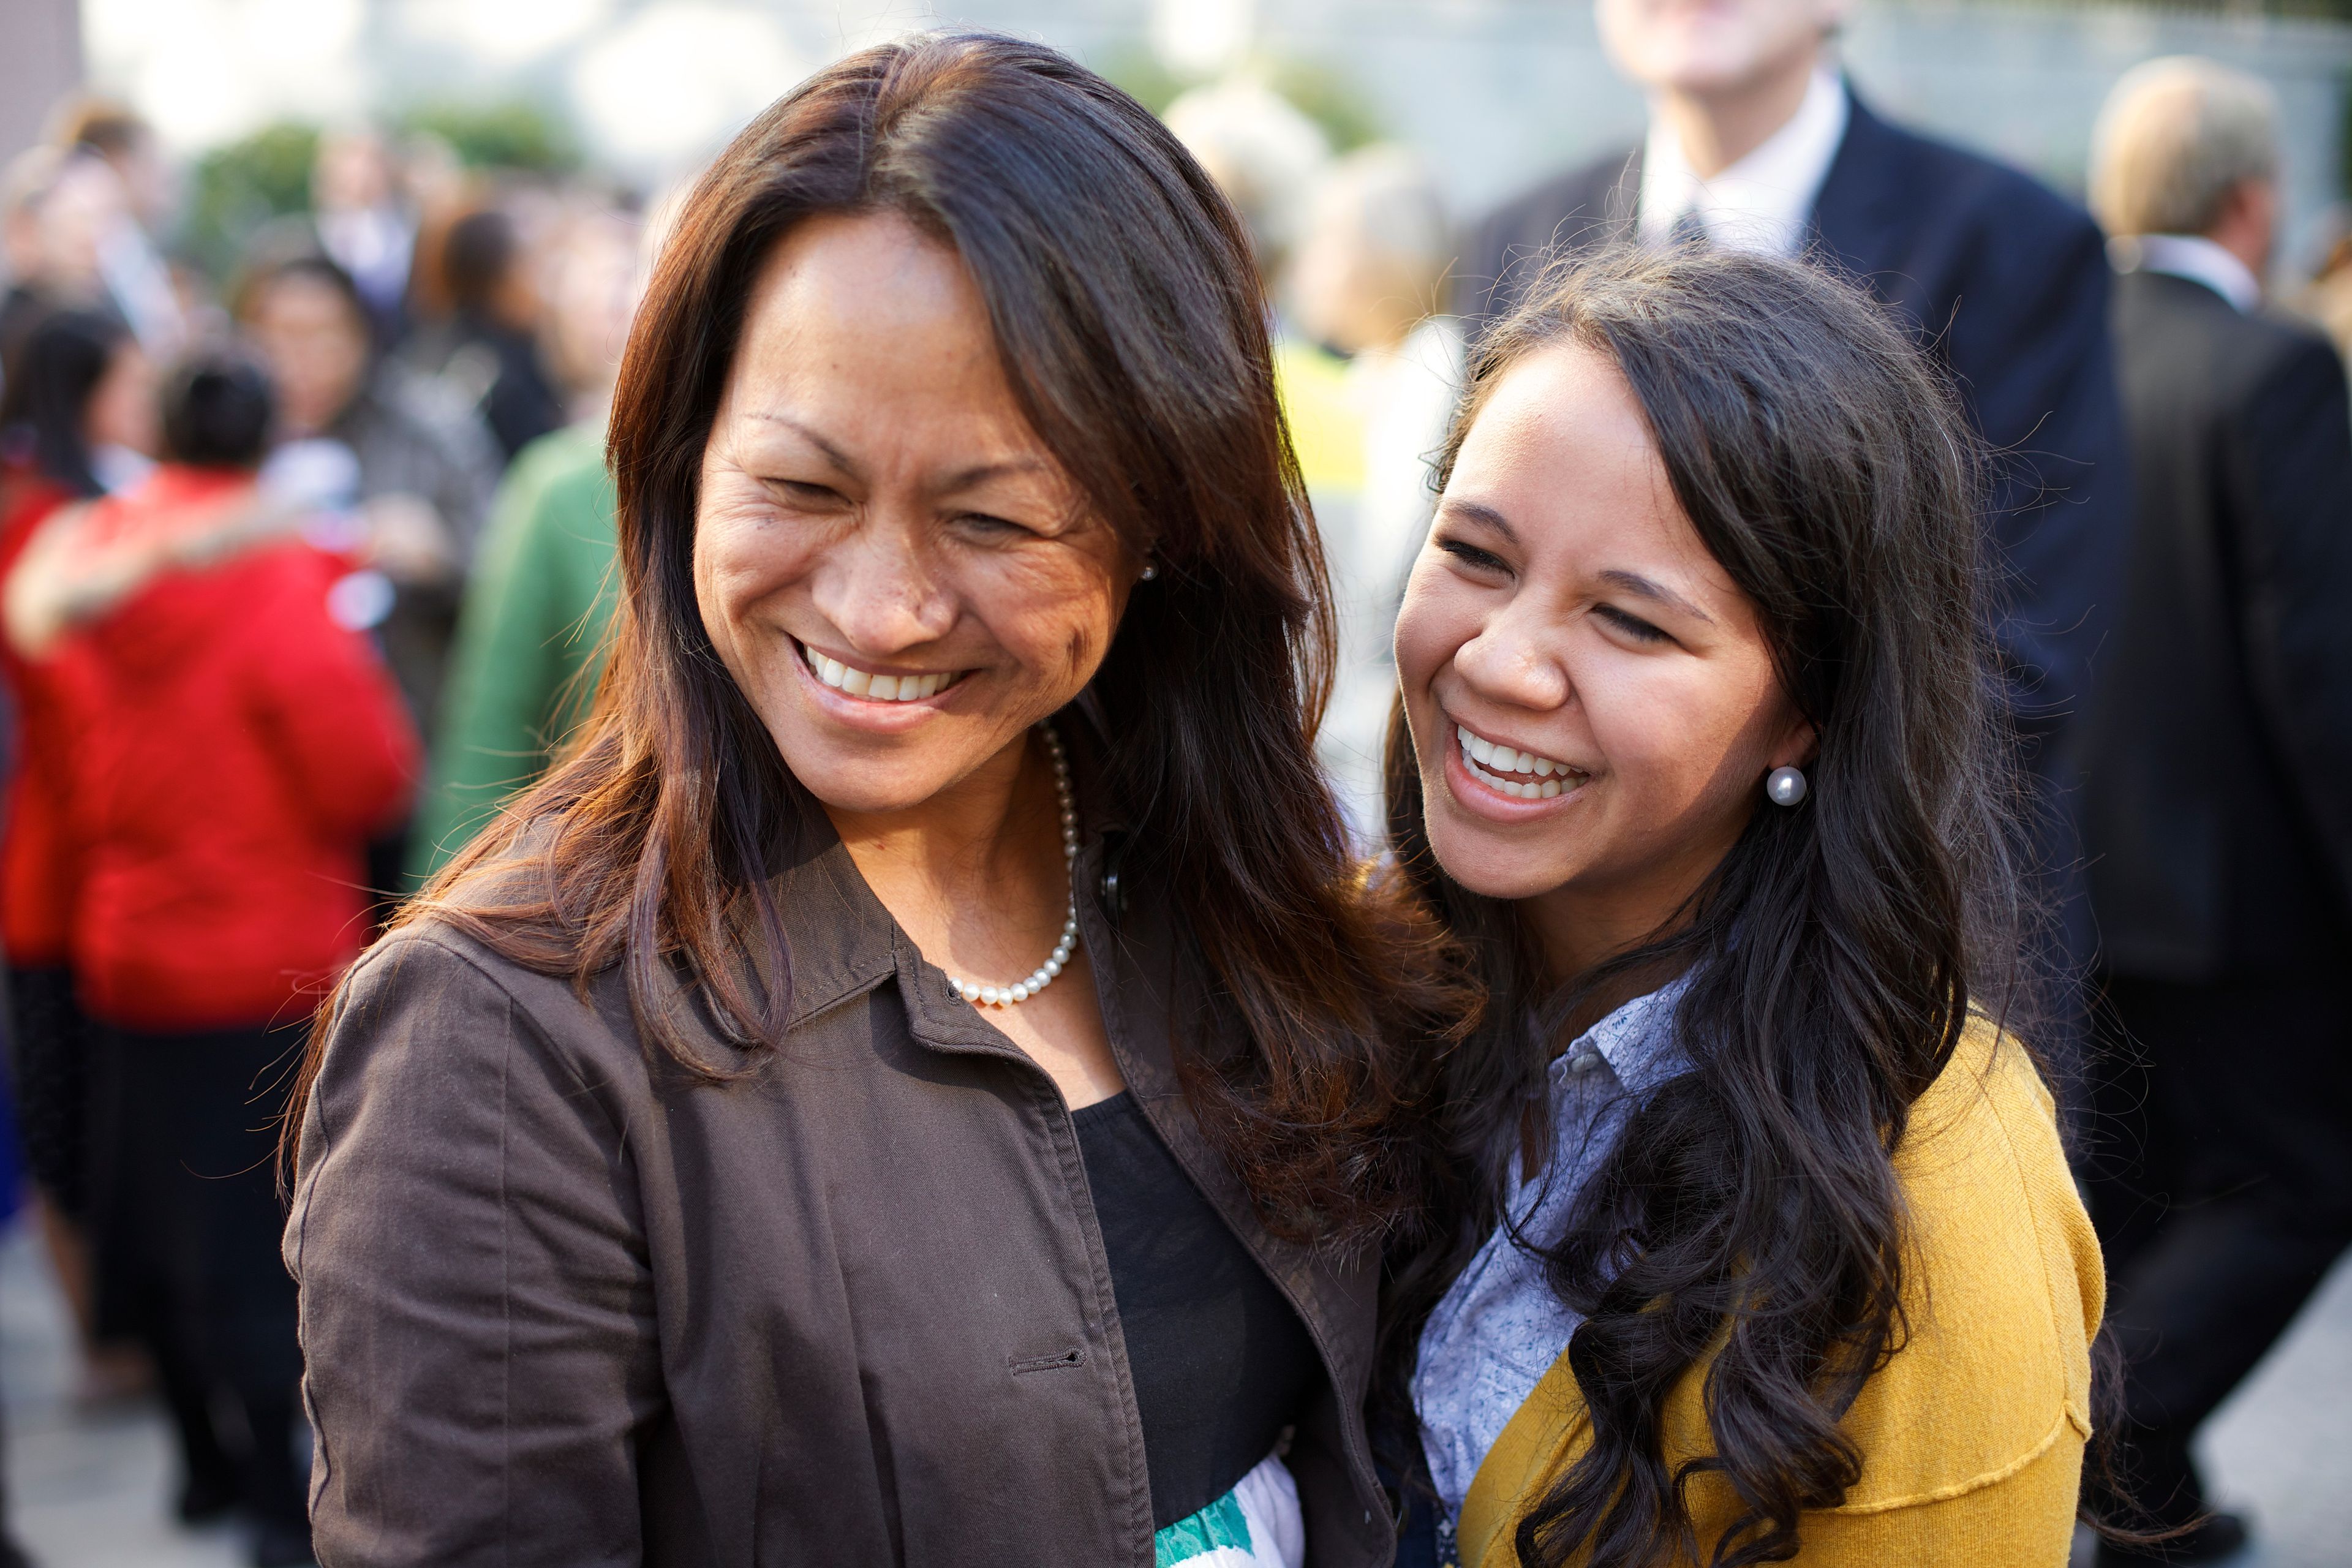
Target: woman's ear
1797	745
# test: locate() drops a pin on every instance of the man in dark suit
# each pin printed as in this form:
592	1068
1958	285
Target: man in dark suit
2219	810
1755	140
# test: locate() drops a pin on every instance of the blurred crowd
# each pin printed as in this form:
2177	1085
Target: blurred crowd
261	538
305	568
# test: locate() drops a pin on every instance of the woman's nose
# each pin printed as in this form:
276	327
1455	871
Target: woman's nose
1507	662
879	588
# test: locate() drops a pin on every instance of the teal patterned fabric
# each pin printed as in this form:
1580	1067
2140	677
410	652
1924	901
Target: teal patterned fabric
1221	1525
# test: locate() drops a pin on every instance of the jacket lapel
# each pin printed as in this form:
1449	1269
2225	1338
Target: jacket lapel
1857	215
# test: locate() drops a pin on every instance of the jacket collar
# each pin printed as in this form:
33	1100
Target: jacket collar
843	941
1764	201
2193	258
1637	1041
1857	212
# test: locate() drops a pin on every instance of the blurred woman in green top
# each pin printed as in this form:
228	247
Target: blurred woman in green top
530	637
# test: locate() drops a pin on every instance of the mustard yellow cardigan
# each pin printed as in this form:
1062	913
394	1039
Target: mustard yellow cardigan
1971	1436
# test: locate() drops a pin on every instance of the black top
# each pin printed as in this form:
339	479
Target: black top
521	403
1220	1361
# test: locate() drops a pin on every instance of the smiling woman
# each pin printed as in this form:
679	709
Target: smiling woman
1764	1247
661	1194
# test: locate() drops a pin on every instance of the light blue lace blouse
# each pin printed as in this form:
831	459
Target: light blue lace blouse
1500	1327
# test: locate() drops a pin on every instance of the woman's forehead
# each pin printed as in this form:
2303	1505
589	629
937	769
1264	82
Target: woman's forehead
1559	447
867	344
1561	454
850	273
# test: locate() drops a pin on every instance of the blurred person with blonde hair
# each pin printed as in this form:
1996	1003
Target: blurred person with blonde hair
2216	813
73	241
23	249
1365	281
1266	155
121	135
99	216
2184	174
1272	162
1264	152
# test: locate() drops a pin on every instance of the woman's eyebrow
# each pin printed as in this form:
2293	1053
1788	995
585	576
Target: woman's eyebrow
832	454
980	473
955	483
1479	512
1634	583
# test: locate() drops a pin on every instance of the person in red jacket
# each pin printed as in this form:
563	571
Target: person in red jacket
235	744
76	419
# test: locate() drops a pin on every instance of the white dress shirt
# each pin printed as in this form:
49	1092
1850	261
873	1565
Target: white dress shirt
2193	256
1764	201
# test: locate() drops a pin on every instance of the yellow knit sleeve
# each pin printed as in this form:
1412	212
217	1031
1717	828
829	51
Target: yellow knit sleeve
1971	1435
2023	1519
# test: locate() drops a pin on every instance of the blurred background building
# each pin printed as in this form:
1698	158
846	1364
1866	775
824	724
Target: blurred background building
1492	93
430	220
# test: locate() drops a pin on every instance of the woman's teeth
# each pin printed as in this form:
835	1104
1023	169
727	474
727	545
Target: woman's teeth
1545	779
879	688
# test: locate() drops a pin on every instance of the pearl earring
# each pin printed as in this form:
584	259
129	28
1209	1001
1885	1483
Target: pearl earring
1150	571
1785	786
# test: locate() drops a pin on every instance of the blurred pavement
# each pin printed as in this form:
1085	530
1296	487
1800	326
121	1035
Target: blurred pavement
89	1489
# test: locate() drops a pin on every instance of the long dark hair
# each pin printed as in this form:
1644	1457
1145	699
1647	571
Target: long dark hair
1133	331
1832	958
64	358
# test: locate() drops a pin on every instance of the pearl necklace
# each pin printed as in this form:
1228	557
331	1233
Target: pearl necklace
1044	974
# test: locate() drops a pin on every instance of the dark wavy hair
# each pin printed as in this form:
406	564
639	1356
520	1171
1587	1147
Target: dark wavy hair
53	376
1133	331
1834	958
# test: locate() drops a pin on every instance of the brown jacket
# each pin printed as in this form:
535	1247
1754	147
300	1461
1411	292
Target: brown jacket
561	1306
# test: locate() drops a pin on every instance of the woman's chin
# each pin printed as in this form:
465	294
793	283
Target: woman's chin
1492	875
1488	863
869	791
1496	854
872	773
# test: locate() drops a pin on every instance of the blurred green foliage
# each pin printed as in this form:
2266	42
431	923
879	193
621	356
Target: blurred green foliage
515	134
1329	99
1136	71
235	189
1322	94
